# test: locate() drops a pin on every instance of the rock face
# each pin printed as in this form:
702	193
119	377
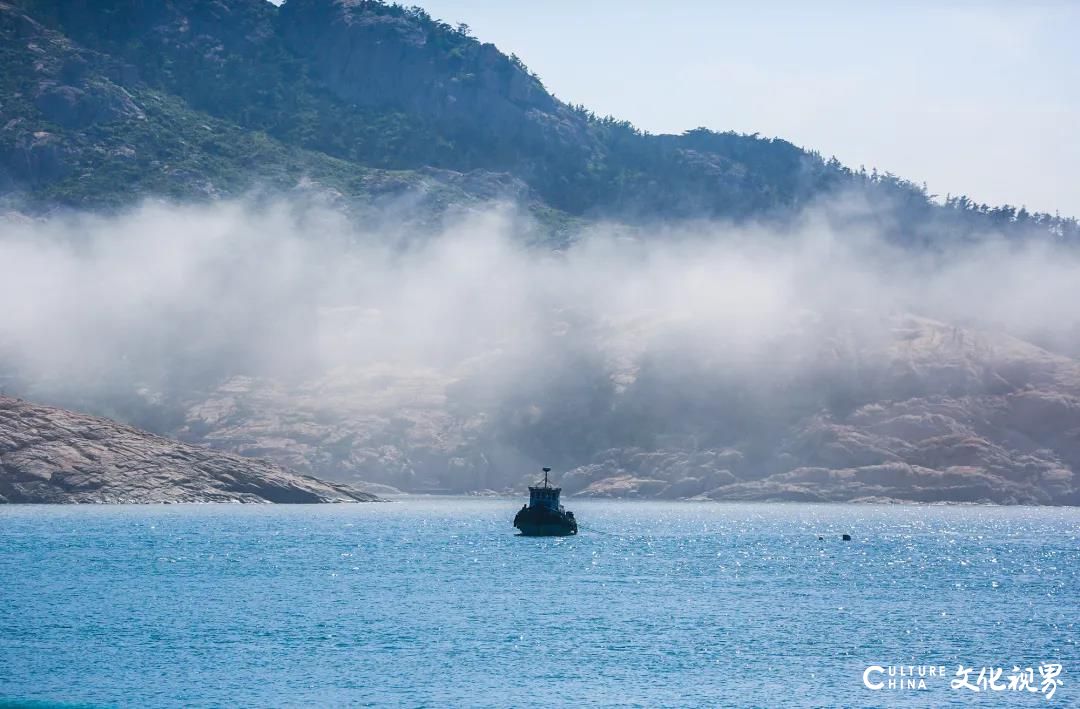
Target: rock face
941	414
933	413
51	455
375	56
72	107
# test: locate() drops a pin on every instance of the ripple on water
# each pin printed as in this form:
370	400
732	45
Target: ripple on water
436	602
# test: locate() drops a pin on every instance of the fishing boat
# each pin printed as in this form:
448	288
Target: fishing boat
544	516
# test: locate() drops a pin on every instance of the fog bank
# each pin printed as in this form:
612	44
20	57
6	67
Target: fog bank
625	334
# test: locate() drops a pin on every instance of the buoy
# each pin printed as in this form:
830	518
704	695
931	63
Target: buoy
846	537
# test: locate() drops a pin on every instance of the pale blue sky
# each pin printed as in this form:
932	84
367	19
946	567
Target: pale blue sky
979	98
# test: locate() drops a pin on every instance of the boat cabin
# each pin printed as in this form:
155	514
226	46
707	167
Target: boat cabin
545	495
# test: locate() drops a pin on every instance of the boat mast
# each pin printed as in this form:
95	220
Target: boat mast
546	471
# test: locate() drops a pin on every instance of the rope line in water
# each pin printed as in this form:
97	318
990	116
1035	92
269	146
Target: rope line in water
600	531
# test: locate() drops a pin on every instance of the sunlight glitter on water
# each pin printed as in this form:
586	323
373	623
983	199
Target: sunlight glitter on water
431	601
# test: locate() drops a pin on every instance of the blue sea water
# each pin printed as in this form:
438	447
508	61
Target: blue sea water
435	602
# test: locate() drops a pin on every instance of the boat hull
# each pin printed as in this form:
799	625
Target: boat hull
534	522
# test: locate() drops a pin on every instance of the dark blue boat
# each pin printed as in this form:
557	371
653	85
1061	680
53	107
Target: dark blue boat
544	516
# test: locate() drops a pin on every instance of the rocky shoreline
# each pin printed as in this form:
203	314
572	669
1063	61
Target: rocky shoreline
52	455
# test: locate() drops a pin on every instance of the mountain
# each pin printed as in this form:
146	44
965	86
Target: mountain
111	100
56	456
361	104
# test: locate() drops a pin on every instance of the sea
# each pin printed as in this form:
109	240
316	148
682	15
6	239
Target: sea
435	602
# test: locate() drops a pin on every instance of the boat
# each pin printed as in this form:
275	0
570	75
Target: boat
544	516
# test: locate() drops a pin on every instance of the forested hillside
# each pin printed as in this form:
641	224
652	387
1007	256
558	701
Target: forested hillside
107	101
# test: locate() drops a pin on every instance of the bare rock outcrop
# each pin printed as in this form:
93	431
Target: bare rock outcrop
51	455
932	413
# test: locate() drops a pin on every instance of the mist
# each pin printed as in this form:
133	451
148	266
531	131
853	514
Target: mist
468	338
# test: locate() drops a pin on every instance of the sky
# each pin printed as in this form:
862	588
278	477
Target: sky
981	99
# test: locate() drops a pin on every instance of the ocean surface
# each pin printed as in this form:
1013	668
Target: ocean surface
435	602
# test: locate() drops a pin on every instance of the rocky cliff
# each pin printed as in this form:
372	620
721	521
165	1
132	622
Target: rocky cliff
931	413
50	455
920	412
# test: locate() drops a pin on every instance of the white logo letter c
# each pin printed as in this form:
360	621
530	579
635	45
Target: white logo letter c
866	677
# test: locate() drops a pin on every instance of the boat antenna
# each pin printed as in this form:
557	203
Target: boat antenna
546	471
